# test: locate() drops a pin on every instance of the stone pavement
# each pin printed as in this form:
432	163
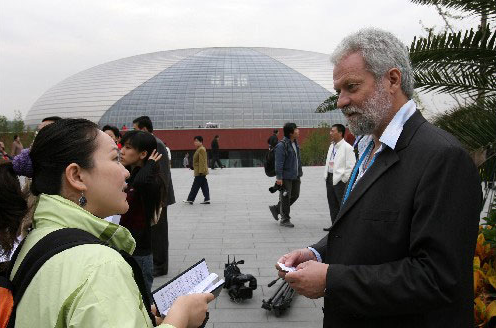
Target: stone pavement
238	222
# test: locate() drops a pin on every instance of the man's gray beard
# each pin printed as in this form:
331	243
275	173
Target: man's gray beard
371	115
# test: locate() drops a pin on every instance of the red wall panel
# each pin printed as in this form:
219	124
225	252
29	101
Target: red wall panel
229	138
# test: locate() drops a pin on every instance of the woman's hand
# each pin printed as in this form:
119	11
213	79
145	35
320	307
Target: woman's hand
189	311
155	156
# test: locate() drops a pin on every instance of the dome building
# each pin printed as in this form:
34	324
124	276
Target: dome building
240	94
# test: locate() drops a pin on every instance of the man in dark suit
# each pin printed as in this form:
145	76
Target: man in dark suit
160	231
400	251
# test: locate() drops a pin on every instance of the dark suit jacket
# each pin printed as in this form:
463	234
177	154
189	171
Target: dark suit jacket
165	168
400	252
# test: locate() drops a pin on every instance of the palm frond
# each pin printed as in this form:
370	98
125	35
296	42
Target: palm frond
455	81
455	64
474	7
474	46
473	125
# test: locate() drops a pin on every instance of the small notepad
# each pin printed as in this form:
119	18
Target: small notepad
196	279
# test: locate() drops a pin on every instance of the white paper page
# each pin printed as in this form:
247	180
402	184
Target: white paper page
182	285
286	268
214	286
201	287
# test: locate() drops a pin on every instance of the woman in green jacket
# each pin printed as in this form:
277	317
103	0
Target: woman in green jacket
76	173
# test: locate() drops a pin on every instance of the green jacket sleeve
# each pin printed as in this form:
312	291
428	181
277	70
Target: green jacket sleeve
108	298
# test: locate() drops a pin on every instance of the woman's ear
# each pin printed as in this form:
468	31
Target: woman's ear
74	178
143	154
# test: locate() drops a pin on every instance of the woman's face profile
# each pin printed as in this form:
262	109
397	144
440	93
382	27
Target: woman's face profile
106	181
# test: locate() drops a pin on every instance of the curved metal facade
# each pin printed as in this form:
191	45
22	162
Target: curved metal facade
234	87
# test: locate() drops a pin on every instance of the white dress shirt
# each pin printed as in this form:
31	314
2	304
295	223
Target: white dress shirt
343	158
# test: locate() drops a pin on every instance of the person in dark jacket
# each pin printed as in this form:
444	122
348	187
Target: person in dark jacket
400	252
288	173
146	194
160	231
273	140
215	153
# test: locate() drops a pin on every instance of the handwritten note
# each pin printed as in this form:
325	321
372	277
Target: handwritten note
196	279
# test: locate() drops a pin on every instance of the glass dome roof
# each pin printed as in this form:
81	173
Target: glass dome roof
231	87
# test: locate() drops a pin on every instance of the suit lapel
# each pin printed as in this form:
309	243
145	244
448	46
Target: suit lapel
382	163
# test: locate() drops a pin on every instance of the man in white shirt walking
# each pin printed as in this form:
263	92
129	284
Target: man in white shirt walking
339	164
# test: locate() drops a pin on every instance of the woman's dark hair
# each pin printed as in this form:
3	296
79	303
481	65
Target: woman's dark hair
289	128
13	207
141	141
15	136
199	138
144	141
114	130
55	147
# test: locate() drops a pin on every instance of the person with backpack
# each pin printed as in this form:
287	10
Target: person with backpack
288	171
273	140
78	179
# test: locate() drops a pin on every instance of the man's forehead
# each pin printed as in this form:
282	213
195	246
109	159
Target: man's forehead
352	63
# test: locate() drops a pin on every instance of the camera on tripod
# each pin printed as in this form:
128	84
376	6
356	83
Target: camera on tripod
235	281
277	187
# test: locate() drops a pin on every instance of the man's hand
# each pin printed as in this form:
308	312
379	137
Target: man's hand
309	279
295	258
279	182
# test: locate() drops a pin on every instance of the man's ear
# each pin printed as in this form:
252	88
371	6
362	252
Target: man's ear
393	78
74	177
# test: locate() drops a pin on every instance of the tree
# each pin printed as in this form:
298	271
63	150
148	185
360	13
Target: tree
17	123
329	104
463	64
314	148
4	125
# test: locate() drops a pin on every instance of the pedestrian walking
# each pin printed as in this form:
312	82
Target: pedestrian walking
215	153
186	161
288	173
200	168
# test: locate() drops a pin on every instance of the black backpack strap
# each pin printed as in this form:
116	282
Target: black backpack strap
140	281
52	244
48	246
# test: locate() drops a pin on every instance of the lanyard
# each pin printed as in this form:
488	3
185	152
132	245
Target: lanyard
333	152
355	170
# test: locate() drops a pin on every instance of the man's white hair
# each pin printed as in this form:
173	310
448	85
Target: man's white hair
381	51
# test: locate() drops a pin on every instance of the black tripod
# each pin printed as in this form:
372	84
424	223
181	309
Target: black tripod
281	300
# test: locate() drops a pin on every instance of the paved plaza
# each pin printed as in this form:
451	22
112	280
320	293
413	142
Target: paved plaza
238	222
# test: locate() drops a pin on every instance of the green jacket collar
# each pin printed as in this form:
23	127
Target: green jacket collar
54	211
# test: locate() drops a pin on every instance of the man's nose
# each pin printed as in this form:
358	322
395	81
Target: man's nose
343	100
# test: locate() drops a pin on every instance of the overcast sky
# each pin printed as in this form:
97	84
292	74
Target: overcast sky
44	42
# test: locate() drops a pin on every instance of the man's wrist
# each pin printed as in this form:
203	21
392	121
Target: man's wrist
316	254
